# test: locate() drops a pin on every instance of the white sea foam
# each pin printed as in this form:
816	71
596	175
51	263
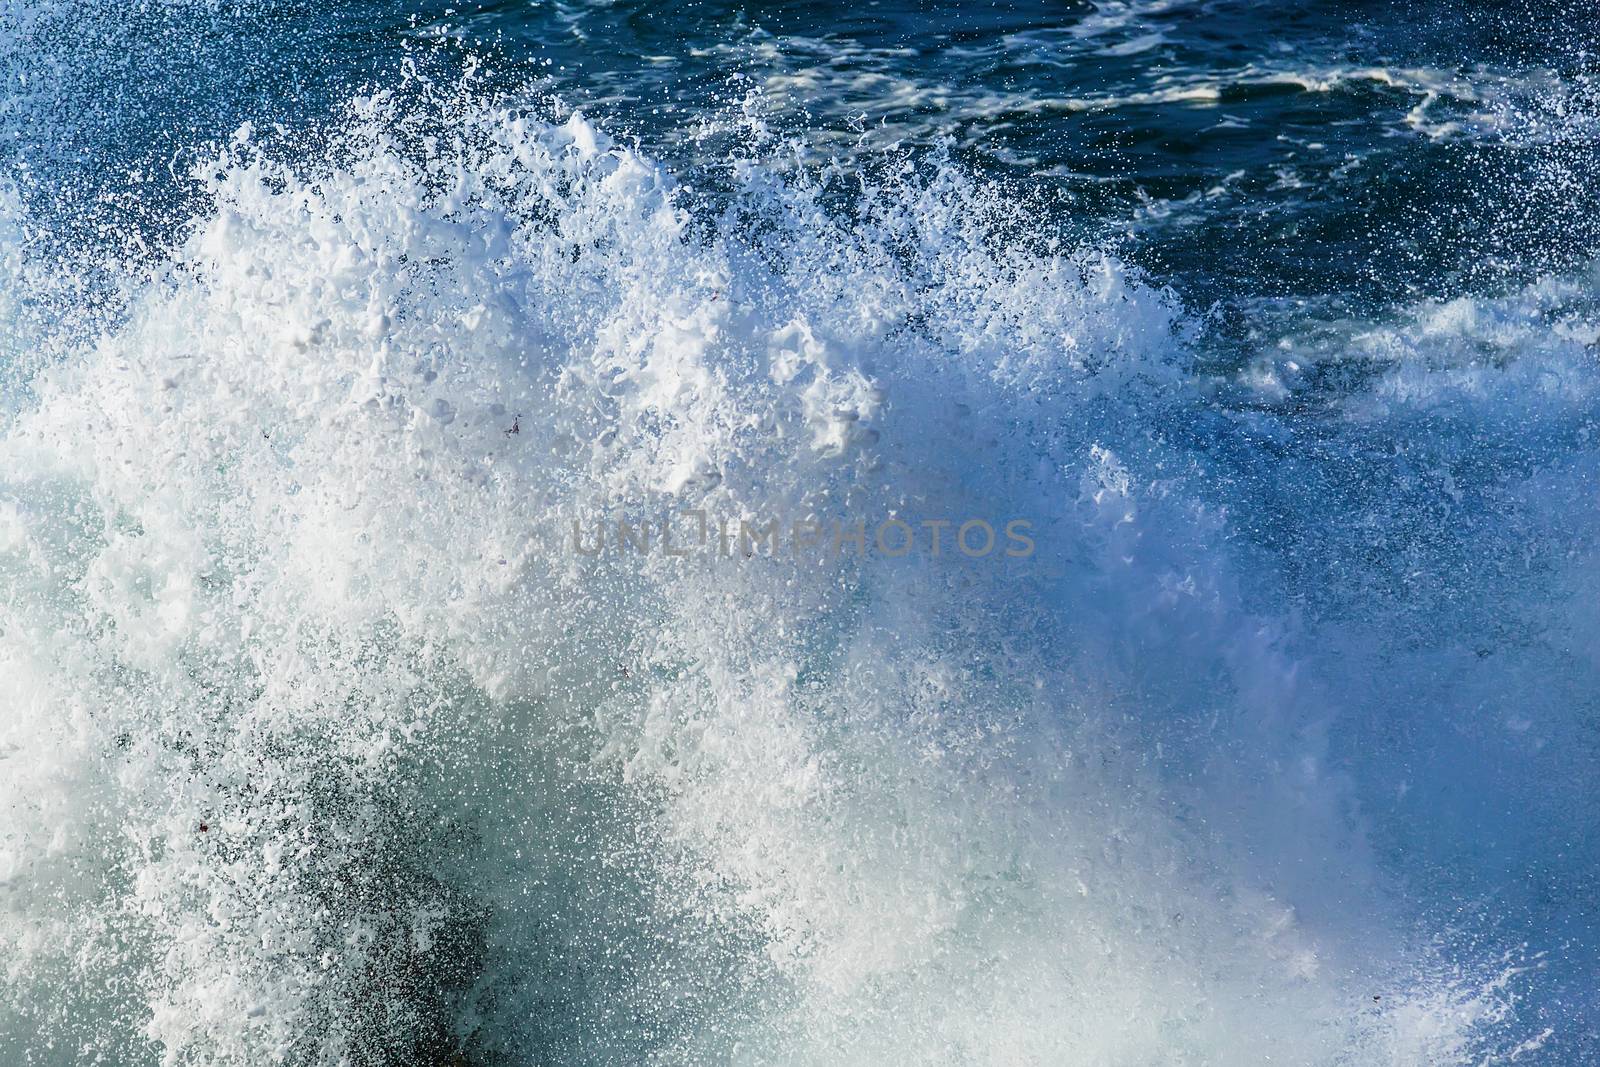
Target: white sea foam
310	754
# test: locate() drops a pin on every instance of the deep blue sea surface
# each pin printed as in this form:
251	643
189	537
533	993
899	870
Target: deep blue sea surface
331	335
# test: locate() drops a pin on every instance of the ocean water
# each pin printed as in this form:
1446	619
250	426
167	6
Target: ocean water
356	358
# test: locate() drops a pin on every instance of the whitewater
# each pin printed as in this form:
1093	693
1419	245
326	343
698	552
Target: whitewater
1278	746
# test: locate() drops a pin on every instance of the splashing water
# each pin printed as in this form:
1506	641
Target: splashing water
318	749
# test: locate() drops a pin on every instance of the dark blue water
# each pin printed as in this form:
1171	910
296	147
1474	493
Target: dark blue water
1341	151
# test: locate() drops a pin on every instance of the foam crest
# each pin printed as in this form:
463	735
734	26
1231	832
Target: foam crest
316	752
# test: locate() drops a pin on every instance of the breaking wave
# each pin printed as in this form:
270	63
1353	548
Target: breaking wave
313	753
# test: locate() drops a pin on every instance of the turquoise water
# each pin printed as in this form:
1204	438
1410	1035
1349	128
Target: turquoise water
1274	326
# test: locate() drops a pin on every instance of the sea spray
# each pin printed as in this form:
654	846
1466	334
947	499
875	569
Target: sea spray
310	759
